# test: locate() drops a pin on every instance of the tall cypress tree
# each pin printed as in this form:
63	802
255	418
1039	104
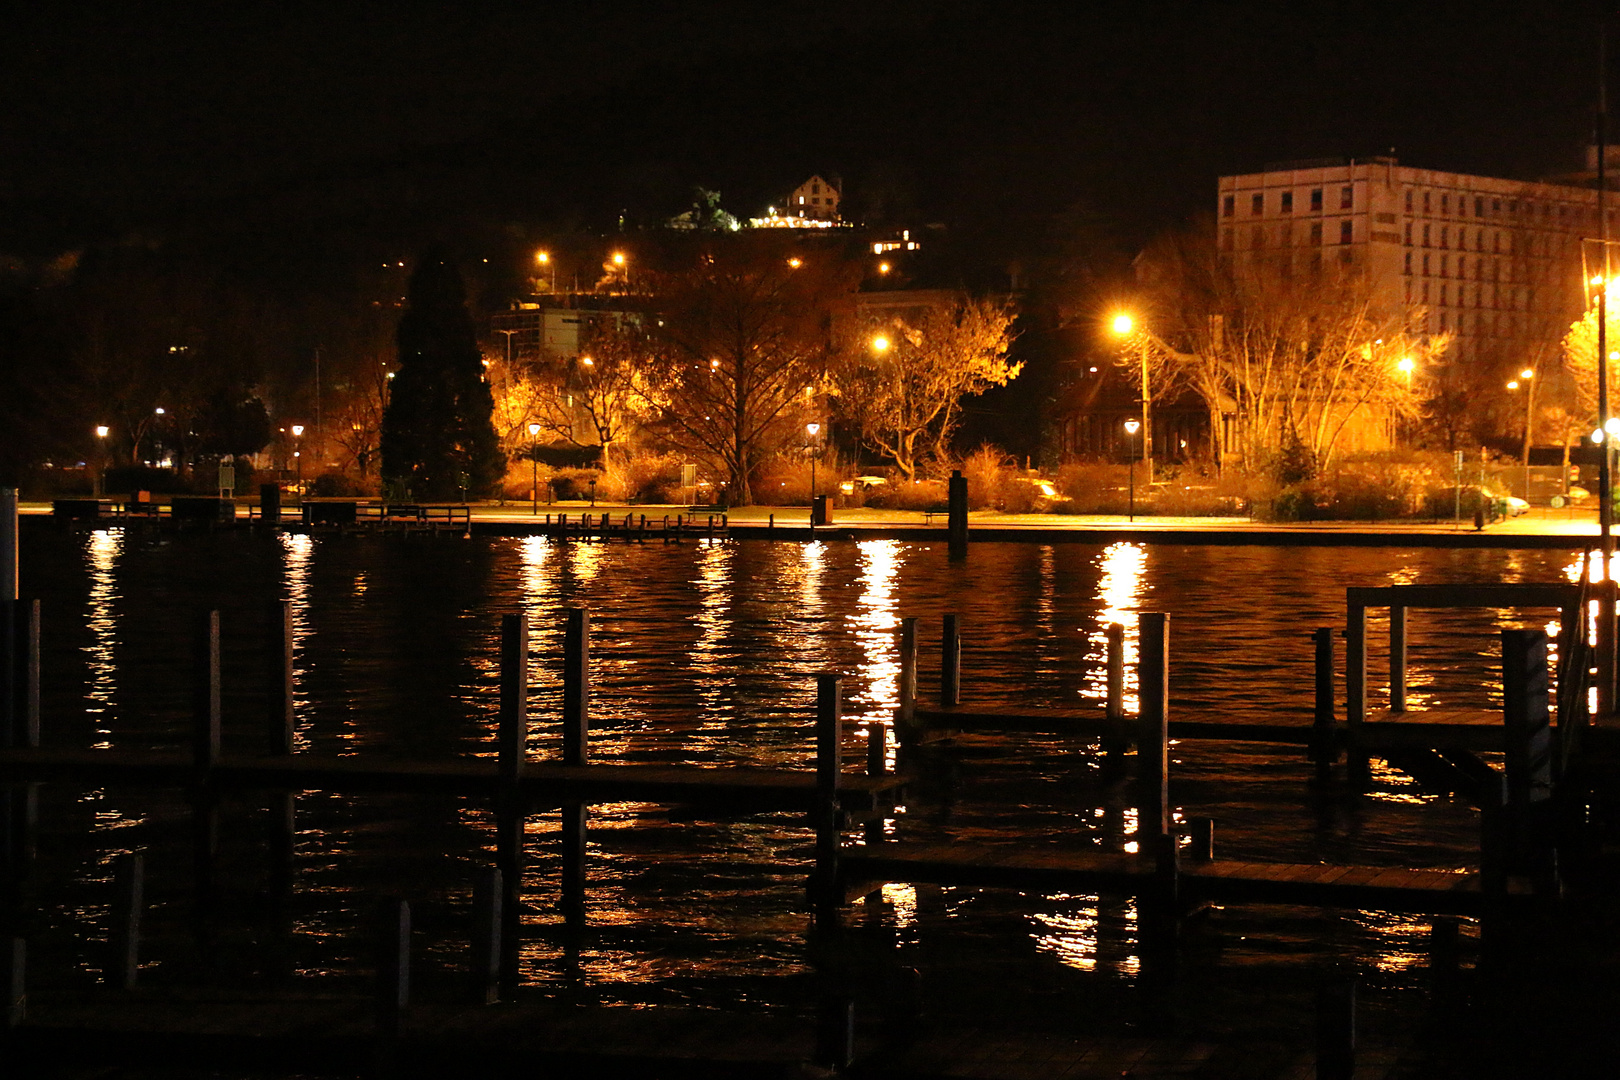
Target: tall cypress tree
437	438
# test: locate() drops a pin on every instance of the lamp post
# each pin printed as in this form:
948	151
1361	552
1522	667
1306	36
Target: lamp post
534	470
100	476
622	264
298	457
1524	382
1131	427
543	258
1125	327
811	430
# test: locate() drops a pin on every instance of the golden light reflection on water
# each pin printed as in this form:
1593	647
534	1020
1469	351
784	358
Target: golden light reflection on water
102	550
585	560
1071	937
876	621
710	665
298	556
903	900
1120	592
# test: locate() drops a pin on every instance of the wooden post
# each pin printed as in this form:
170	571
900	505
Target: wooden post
1203	839
205	755
28	677
576	735
1336	1030
9	668
1160	915
512	737
1118	739
1397	657
957	503
279	676
905	720
1324	751
1355	692
835	1033
950	663
1444	954
1528	749
486	936
826	815
1604	591
15	958
129	901
1153	726
393	965
877	756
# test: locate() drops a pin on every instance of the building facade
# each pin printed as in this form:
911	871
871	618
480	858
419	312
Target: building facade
1496	263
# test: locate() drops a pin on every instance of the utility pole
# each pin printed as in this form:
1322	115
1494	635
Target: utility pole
1605	460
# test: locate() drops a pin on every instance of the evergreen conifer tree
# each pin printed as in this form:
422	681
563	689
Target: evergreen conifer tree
437	438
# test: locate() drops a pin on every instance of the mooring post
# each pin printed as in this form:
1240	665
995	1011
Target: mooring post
8	625
957	509
1336	1030
15	958
129	901
1153	726
576	737
512	739
1115	742
1203	839
835	1033
486	936
28	678
1528	748
826	815
1324	748
1444	955
279	727
1493	868
1355	693
1604	591
1397	657
205	755
905	718
950	663
393	965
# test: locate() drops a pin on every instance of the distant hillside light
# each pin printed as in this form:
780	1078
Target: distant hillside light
1123	324
618	258
101	431
880	344
795	262
542	257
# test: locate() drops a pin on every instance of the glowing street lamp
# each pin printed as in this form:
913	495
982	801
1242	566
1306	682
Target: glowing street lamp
811	430
880	343
1524	381
298	456
1125	327
542	259
1131	428
534	470
101	465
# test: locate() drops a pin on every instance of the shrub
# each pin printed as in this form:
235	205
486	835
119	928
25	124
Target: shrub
651	478
576	483
920	495
335	485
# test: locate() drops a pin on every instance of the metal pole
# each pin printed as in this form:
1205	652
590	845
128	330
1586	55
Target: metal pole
1133	480
1147	428
1605	472
534	483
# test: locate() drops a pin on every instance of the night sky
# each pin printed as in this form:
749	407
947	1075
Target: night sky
992	116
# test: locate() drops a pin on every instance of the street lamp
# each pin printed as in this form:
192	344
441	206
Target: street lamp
298	456
1524	381
99	477
811	430
880	343
534	471
543	258
1131	428
1125	327
622	263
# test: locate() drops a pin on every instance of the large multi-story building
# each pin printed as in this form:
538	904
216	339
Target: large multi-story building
1496	263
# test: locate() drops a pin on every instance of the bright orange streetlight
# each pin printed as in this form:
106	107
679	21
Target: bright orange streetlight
1125	326
880	343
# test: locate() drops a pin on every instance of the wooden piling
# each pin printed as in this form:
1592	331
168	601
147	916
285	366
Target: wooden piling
14	955
957	511
1528	750
950	662
393	992
835	1033
205	755
279	677
1152	725
826	815
1336	1030
512	738
1604	593
486	936
27	658
1203	839
1397	658
1115	743
1324	745
1355	693
129	903
905	717
9	668
575	740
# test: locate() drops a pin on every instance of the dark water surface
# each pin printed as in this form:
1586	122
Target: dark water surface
705	654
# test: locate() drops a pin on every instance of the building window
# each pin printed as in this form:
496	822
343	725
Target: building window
1287	206
1408	234
1316	198
1408	200
1408	262
1408	292
815	189
1425	235
1496	242
1445	266
1257	204
1425	267
1479	206
1444	322
1425	292
1426	204
1479	239
1445	205
1445	236
1316	233
1496	206
1229	206
1345	232
1347	197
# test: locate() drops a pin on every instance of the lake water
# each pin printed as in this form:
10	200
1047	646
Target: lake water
705	654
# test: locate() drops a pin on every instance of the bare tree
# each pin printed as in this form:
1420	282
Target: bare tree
599	397
903	377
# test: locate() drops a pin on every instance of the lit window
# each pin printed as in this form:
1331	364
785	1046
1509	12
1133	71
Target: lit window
1408	262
